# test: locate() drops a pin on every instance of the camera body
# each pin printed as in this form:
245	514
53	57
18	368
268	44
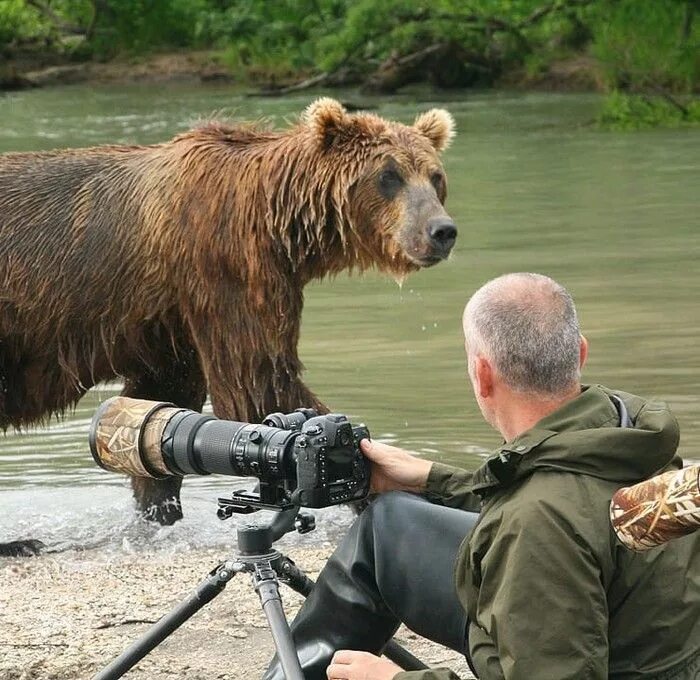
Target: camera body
330	466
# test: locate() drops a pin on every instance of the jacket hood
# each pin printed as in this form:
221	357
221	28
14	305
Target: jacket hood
602	433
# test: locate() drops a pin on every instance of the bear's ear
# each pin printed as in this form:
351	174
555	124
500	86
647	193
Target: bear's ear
438	126
327	118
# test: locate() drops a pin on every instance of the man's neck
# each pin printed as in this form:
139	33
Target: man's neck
520	412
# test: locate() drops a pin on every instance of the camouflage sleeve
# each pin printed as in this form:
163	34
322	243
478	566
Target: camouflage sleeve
430	674
657	510
451	486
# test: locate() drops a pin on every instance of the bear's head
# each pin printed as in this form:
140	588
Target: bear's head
387	183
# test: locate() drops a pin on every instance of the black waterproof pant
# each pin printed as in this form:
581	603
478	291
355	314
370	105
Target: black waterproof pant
395	565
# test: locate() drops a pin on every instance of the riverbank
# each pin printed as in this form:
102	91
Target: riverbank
65	616
36	69
42	70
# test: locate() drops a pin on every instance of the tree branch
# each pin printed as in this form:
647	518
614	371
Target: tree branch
297	87
32	645
543	11
125	622
55	19
672	100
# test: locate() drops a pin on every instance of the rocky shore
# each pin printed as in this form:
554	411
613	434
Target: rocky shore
65	616
36	70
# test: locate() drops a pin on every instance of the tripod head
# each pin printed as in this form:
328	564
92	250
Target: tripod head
255	538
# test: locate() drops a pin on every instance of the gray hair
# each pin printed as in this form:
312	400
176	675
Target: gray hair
526	325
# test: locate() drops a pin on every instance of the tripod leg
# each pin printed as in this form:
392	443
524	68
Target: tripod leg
402	657
204	593
294	577
266	585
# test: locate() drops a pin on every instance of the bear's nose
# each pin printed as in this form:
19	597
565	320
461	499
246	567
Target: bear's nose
442	233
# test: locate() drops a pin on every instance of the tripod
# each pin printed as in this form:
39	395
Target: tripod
255	555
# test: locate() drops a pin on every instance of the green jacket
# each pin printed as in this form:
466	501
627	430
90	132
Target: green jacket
549	593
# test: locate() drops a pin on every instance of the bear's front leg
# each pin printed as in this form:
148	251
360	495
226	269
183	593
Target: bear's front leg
178	379
158	500
268	385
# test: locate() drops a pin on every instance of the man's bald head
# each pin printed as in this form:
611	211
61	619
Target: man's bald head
526	325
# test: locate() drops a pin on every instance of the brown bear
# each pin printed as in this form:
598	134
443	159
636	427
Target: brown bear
180	267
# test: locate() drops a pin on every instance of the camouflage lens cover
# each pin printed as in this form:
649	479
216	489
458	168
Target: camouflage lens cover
125	436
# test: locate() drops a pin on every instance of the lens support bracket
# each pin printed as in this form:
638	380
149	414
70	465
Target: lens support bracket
244	502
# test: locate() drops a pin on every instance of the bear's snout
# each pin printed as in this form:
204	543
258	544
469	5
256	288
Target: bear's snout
442	235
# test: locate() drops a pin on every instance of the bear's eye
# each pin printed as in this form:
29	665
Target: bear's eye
390	182
437	180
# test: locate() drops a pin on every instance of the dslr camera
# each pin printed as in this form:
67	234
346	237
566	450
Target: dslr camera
301	458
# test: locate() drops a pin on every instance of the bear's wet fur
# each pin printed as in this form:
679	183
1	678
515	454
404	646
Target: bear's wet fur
179	267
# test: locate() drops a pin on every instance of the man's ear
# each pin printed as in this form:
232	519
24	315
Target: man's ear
483	376
583	352
438	126
328	120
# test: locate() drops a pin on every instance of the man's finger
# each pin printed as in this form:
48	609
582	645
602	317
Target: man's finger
349	656
367	446
337	671
376	450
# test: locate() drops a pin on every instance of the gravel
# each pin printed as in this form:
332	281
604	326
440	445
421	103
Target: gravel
66	616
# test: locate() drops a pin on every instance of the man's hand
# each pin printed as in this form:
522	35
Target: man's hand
349	665
394	469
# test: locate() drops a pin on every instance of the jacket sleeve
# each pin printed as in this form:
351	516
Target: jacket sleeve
451	486
541	609
430	674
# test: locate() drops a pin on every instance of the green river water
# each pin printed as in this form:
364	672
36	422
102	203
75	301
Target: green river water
533	186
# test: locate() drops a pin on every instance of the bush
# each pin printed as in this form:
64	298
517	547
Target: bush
636	112
145	25
20	23
279	37
644	43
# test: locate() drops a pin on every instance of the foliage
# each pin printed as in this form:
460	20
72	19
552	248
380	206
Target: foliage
637	112
18	21
273	37
372	31
645	47
145	25
644	44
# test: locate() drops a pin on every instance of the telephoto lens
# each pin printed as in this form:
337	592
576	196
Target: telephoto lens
300	458
156	439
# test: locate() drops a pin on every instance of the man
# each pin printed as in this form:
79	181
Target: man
538	587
